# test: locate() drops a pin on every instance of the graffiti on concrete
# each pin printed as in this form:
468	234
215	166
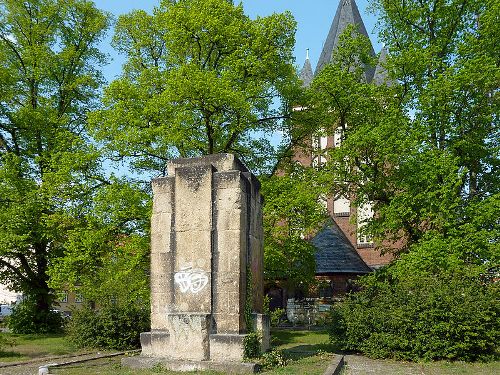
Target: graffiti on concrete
191	280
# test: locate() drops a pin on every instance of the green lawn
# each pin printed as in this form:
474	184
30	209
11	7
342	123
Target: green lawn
461	368
307	352
25	347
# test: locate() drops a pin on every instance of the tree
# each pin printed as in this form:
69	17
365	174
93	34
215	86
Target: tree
48	166
292	213
424	152
446	59
106	258
201	77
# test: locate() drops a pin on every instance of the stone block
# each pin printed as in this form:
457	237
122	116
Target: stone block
262	325
163	194
231	250
161	232
193	198
226	347
155	343
231	212
189	336
221	162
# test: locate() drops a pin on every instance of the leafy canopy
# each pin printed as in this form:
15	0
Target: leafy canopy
48	167
201	77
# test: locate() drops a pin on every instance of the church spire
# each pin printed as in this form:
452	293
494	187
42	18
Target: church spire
380	77
306	73
347	14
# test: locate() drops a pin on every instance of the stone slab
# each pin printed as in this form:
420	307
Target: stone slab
226	347
141	362
336	366
221	162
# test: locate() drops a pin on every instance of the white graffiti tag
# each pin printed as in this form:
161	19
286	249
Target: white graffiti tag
191	280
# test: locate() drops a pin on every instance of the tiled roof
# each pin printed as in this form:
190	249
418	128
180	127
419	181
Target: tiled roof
380	76
306	74
335	254
347	14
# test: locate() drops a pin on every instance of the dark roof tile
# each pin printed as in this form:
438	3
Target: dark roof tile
335	254
347	14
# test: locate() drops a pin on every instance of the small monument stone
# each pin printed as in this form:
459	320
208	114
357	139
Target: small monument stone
206	265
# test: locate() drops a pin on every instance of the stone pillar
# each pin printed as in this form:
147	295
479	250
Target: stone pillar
206	261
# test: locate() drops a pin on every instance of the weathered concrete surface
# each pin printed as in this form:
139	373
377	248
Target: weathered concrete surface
206	261
336	366
141	362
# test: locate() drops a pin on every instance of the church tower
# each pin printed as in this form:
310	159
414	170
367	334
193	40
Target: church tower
344	231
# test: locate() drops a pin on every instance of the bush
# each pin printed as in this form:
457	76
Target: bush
277	317
431	317
252	345
273	358
26	319
6	342
109	327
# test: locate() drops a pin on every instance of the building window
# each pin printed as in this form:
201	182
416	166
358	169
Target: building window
325	289
341	207
78	298
63	296
365	213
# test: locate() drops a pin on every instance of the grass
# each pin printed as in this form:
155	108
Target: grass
358	365
25	347
461	368
306	352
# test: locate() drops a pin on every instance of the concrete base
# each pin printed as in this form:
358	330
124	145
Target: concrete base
140	362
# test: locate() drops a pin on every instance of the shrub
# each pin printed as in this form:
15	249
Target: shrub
430	317
26	318
252	345
273	358
6	342
277	316
110	327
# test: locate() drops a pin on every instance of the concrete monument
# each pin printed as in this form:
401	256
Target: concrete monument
206	265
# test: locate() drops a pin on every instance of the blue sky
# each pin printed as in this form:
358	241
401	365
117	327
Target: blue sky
313	17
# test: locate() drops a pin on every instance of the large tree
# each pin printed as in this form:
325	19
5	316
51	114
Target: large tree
200	77
48	166
425	153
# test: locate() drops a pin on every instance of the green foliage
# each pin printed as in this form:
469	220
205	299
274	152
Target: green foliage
201	77
277	316
111	326
5	342
292	212
422	151
449	316
108	259
27	318
252	345
48	167
273	358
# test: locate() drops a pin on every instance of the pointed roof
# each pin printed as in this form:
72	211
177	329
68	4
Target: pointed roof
306	74
335	254
347	14
380	77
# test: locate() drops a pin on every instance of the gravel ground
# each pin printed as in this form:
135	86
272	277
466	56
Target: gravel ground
357	365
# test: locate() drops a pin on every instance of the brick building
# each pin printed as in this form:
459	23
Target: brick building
342	252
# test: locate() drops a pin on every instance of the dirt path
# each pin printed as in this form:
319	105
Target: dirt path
357	365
